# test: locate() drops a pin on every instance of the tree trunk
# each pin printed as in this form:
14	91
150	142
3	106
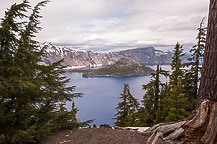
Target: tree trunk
201	126
208	84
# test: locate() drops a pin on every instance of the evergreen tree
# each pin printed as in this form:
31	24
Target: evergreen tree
148	105
177	101
67	118
197	55
122	108
127	109
73	112
133	106
152	101
29	91
165	91
176	66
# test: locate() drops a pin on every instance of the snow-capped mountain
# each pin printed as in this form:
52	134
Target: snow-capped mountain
74	58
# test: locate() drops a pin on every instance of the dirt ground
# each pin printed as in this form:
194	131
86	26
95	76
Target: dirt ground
96	136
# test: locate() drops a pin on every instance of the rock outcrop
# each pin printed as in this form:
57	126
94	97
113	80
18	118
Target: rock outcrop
77	58
147	55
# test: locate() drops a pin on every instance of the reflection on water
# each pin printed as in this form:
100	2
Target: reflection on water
101	94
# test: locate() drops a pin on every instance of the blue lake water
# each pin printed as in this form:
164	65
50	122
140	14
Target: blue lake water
101	94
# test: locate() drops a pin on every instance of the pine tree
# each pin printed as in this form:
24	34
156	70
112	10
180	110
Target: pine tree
29	91
177	100
65	118
152	109
127	109
133	106
176	65
192	75
122	109
165	91
74	111
148	111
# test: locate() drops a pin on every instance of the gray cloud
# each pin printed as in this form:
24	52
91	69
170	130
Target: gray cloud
115	24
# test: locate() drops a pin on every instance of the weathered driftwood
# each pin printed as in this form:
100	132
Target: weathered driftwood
200	129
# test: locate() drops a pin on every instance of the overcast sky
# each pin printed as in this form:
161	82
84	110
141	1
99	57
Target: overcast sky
119	24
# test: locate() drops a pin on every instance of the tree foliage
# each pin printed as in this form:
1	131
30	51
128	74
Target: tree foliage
153	99
195	61
165	102
176	66
127	109
29	92
175	99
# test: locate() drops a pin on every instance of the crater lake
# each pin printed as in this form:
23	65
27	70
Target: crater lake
101	94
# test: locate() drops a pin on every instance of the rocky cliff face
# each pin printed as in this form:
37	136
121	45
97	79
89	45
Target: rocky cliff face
77	58
147	56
